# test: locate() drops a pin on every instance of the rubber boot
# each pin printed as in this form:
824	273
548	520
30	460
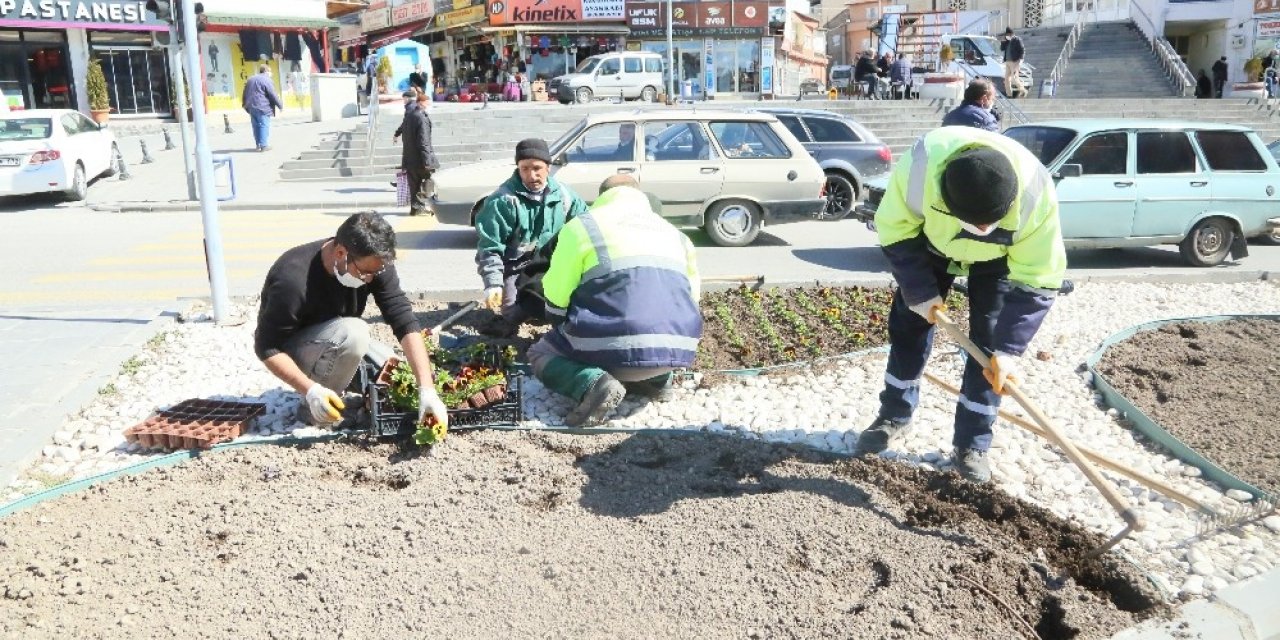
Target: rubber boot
658	388
569	378
603	397
876	438
972	464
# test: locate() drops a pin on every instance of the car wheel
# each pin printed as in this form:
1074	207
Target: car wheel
649	94
840	194
79	185
733	223
583	95
115	162
1208	243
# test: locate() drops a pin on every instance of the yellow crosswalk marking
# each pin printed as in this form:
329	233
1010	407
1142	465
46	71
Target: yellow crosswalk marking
134	276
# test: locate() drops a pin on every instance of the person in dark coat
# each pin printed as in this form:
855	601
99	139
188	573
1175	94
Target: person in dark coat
260	100
418	79
1204	87
418	158
975	110
865	72
1014	51
900	78
1219	76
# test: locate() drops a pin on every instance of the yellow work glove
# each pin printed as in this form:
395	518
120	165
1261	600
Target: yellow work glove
326	406
493	299
925	309
1004	368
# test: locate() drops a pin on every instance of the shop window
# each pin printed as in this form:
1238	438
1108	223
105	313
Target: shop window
749	140
737	66
632	65
676	140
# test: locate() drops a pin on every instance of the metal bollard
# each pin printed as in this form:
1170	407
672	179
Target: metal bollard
122	171
168	142
146	155
226	124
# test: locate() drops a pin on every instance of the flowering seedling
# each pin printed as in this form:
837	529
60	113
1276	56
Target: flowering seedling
430	432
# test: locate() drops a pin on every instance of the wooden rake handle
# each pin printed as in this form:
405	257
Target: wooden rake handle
1131	518
1097	458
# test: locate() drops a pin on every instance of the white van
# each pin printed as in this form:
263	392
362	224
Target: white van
626	74
841	76
982	54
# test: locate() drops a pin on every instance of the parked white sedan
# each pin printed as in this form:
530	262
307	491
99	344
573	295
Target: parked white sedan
53	150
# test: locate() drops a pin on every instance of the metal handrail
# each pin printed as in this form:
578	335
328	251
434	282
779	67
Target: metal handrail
1068	49
1175	70
371	140
1007	107
995	13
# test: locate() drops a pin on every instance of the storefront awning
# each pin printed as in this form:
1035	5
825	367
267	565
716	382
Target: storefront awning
399	33
270	22
599	29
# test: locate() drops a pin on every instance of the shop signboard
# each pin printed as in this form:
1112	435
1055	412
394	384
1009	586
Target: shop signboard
553	11
1266	6
457	5
376	16
766	65
714	19
95	14
413	11
709	66
459	17
1269	28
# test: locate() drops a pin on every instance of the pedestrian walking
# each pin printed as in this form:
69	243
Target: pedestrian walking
515	222
622	294
1014	51
370	74
977	108
311	333
1219	76
418	158
965	202
261	101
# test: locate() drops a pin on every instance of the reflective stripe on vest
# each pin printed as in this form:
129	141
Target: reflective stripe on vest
597	241
640	341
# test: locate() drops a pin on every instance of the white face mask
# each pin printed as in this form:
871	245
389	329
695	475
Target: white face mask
345	278
976	231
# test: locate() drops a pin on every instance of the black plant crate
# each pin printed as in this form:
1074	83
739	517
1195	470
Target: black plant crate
387	420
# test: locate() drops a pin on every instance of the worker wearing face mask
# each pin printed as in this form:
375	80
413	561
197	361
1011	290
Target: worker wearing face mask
965	202
310	331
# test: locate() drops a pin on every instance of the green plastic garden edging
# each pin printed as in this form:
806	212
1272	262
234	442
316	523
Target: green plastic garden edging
182	456
1148	427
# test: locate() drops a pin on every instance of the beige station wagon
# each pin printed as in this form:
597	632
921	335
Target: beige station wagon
726	171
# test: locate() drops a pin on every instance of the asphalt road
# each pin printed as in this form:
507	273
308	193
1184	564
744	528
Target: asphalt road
60	256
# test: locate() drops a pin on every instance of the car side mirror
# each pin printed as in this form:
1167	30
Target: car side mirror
560	160
1070	171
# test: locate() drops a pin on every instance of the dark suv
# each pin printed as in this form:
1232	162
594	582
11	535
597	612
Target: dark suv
847	152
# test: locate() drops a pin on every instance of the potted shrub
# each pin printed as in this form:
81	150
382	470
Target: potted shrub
96	84
1253	88
384	74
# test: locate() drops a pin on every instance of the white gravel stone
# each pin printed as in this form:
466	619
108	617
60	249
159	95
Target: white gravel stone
1272	523
1239	495
1193	586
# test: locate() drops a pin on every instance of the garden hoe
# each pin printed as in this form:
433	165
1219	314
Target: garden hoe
1133	521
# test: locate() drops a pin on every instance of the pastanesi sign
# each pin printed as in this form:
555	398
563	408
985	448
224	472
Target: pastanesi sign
77	13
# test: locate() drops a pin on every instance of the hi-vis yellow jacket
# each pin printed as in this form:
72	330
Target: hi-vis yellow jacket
913	222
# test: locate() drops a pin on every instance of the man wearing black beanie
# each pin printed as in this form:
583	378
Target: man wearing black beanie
965	202
517	220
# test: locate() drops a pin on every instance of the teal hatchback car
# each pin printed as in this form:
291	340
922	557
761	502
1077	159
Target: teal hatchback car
1205	187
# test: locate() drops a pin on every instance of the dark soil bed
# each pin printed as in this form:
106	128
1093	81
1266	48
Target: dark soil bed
1213	386
744	327
549	535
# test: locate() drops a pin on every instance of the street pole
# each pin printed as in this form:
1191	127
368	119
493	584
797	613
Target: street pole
204	173
180	91
671	59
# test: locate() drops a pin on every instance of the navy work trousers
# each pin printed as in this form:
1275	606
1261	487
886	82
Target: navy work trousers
911	339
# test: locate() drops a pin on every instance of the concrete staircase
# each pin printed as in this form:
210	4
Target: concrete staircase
465	135
1043	45
1113	60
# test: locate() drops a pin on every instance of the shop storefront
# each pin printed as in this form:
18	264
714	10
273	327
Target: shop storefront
461	50
548	38
717	45
290	37
45	48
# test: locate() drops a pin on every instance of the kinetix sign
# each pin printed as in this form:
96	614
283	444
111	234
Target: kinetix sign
504	12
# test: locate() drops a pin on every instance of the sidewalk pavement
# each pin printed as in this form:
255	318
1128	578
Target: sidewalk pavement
160	185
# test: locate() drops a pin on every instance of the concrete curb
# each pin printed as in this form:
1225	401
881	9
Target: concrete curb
190	205
1245	610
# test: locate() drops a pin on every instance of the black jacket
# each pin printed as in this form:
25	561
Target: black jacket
418	80
866	66
417	140
1220	71
970	114
1012	48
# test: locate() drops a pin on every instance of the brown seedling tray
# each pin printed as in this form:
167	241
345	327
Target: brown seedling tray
195	424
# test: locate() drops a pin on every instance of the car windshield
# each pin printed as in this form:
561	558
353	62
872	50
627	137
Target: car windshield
588	65
1045	142
839	74
26	129
564	139
985	46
